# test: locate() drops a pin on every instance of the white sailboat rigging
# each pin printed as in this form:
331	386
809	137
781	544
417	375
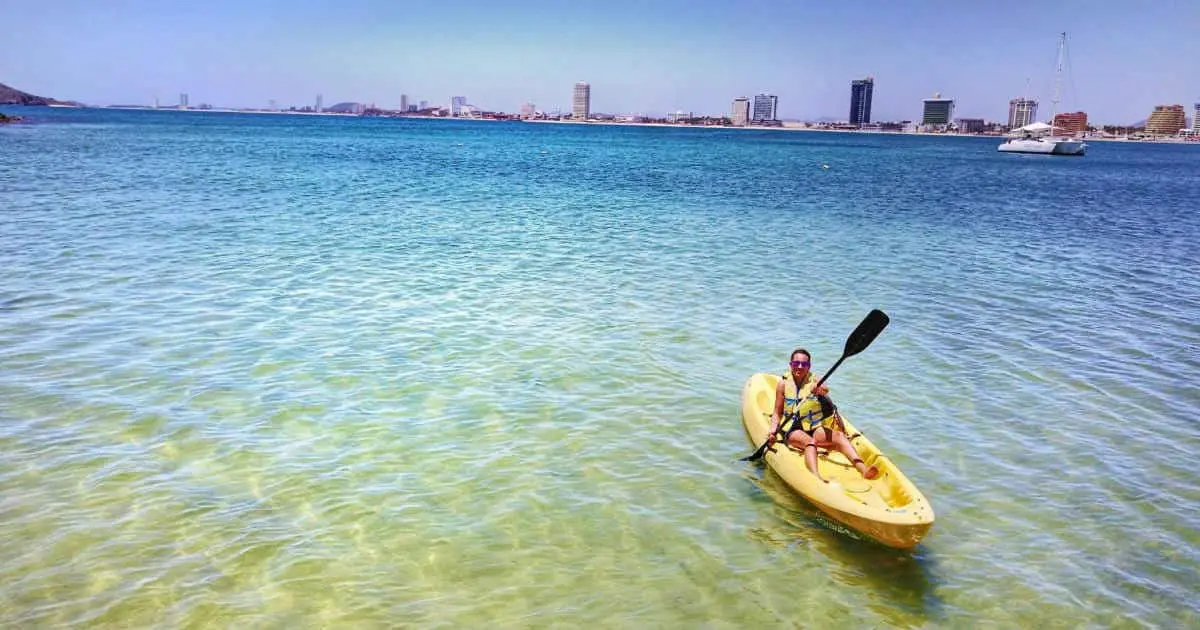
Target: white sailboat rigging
1039	137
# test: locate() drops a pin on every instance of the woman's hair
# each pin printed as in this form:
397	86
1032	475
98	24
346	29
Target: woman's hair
799	351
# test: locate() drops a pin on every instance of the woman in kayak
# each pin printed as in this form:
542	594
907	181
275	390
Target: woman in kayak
814	419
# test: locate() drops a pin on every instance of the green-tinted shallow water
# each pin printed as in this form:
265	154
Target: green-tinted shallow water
273	371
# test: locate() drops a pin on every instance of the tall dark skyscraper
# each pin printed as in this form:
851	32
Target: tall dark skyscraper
861	91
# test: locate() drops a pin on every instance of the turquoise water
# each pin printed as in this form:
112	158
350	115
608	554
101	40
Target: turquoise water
284	371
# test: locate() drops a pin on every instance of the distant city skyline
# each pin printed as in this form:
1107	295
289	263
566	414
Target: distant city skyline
643	59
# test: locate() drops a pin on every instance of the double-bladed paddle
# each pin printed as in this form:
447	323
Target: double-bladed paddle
863	335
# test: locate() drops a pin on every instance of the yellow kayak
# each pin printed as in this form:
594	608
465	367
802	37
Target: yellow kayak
889	508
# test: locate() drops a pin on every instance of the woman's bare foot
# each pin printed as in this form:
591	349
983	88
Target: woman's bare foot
868	472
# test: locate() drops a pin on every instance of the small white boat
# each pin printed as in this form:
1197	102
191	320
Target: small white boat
1037	138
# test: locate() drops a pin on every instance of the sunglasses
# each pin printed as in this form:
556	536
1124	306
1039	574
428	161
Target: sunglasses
796	364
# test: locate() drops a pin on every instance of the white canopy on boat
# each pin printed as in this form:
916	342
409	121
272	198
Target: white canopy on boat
1034	129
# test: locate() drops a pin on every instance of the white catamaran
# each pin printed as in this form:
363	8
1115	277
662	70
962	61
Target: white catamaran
1038	137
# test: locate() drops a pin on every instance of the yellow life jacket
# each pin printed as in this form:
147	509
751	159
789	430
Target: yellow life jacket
803	410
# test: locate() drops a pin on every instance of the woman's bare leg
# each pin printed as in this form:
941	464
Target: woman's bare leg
800	441
843	444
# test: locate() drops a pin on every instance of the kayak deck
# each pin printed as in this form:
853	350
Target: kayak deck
888	509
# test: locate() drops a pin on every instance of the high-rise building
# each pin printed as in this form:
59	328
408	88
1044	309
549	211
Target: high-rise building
456	105
766	107
320	105
1021	111
938	111
424	105
183	100
1166	120
1070	123
861	92
1196	119
528	110
403	102
581	101
741	112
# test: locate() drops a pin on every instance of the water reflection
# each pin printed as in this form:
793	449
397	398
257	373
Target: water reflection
905	581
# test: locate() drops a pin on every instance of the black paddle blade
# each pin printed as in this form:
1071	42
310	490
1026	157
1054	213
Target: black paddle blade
756	455
867	331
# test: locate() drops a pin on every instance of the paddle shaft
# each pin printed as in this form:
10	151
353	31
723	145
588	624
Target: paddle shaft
835	366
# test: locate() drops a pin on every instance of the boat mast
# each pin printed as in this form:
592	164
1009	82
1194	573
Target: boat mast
1028	113
1062	43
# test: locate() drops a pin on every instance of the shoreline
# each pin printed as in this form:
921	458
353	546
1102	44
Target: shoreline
218	110
792	126
789	126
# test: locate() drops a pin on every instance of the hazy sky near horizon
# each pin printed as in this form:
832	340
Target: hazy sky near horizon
647	57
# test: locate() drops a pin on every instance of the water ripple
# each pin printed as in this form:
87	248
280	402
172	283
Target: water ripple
262	370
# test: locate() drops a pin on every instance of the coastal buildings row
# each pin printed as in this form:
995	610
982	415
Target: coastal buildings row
762	110
937	114
1164	120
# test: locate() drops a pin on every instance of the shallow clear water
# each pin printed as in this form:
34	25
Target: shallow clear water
305	371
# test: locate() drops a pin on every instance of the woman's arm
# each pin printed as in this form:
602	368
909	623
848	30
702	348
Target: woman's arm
777	414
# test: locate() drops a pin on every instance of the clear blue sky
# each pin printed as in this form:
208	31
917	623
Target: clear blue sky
649	57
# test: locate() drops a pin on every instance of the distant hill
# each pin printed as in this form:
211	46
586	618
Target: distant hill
13	96
343	108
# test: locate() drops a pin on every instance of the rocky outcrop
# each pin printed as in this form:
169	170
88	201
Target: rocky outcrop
13	96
